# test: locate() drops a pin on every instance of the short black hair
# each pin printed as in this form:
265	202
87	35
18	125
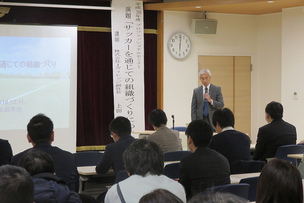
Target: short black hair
274	109
143	157
200	132
40	128
121	126
216	197
224	117
157	117
160	196
16	185
36	161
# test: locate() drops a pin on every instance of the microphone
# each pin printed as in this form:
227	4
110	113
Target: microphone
173	121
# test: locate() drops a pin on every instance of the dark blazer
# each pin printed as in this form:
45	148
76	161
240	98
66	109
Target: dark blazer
232	144
64	163
272	136
197	105
202	169
112	156
6	153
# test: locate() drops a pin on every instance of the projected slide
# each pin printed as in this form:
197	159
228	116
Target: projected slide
34	78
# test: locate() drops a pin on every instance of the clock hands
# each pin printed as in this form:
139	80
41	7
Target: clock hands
180	43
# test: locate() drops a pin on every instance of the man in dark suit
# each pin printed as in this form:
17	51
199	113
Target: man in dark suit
275	134
206	99
234	145
6	153
120	129
41	135
204	167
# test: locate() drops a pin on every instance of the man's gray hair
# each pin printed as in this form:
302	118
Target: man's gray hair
204	71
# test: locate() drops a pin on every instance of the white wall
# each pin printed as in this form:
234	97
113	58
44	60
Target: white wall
237	35
267	86
293	67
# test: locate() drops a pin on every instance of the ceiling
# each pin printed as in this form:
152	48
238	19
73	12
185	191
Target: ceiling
252	7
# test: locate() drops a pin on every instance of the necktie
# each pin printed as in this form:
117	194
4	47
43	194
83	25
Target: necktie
205	112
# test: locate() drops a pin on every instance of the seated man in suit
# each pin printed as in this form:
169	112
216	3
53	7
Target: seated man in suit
168	140
41	135
16	185
120	129
275	134
234	145
204	167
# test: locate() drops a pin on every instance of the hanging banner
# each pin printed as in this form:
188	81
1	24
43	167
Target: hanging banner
128	61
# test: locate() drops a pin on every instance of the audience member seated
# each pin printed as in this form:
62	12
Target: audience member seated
40	133
205	167
279	182
168	140
145	163
6	153
16	185
120	129
47	185
234	145
217	197
160	196
275	134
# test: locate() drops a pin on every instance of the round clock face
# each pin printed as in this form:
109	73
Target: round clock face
179	45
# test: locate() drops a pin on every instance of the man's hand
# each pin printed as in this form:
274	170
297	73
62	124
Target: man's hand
207	96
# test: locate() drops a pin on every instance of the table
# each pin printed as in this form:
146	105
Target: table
236	178
297	156
86	172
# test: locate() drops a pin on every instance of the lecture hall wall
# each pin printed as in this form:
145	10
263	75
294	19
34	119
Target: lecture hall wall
276	74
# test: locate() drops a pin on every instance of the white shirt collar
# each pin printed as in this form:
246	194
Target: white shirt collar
228	128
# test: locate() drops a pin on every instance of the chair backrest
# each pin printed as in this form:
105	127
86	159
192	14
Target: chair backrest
121	175
172	171
88	158
175	156
284	150
240	189
253	182
182	129
246	166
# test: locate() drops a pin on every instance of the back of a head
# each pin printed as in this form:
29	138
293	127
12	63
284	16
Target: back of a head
121	126
36	161
160	196
16	185
200	132
216	198
224	117
279	182
40	128
143	157
157	117
274	109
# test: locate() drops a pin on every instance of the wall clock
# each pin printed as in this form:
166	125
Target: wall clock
179	45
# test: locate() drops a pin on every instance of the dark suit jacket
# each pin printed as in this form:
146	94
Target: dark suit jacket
112	156
197	105
64	163
272	136
5	152
202	169
234	145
